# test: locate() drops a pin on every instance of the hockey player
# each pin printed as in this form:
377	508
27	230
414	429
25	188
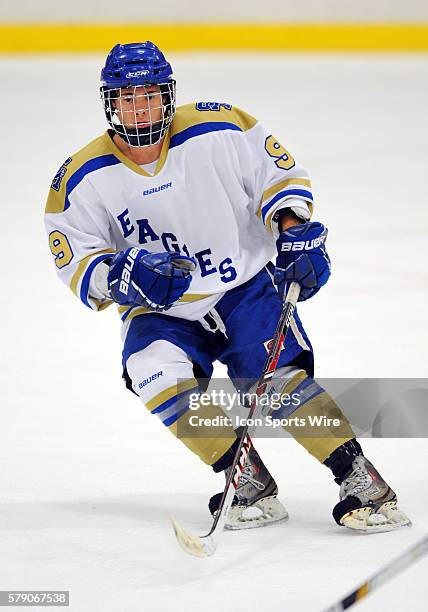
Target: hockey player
173	214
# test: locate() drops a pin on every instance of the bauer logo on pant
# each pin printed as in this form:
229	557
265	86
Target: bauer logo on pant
150	379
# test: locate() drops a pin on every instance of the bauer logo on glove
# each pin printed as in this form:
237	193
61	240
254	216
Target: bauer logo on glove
302	258
127	269
303	246
153	280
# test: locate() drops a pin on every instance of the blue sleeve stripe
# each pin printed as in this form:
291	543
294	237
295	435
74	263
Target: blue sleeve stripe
84	287
303	193
90	166
201	128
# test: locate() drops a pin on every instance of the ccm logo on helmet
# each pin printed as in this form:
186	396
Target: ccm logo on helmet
126	272
138	73
307	245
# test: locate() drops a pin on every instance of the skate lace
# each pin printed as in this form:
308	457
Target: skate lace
247	477
359	480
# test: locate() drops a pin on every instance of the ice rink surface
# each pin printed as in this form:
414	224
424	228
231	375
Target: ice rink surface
88	478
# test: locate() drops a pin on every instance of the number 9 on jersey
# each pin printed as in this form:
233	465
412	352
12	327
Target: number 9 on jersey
60	248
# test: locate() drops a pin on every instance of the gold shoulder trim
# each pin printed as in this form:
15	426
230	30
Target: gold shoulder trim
188	116
56	202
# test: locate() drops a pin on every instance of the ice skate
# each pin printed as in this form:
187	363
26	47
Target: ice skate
368	504
255	503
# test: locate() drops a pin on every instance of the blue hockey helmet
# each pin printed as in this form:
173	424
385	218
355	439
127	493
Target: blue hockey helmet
136	68
135	64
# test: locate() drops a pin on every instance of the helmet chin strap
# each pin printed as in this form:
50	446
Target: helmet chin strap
142	137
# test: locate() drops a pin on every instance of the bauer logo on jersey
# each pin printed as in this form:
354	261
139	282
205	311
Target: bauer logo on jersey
304	245
156	189
56	183
212	106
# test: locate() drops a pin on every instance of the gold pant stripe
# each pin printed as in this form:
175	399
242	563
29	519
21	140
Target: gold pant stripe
170	392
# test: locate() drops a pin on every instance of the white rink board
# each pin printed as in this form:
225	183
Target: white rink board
220	11
88	478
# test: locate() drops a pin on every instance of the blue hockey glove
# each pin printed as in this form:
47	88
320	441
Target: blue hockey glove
154	280
302	258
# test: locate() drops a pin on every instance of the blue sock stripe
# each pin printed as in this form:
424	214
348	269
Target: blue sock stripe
173	408
307	390
170	420
167	403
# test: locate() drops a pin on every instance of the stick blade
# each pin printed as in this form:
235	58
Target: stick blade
193	544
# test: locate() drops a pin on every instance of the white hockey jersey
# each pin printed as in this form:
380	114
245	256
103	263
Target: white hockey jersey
216	186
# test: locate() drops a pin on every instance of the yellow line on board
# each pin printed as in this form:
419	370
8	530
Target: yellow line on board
51	38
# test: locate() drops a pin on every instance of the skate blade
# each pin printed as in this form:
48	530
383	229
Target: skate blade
264	512
388	518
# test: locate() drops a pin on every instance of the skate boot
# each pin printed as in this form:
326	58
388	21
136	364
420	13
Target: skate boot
255	503
367	502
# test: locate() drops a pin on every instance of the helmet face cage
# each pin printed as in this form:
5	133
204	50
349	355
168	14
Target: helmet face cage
140	114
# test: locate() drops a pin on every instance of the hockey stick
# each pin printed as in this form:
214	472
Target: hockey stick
383	575
205	546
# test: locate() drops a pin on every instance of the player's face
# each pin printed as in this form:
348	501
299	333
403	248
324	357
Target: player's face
139	107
